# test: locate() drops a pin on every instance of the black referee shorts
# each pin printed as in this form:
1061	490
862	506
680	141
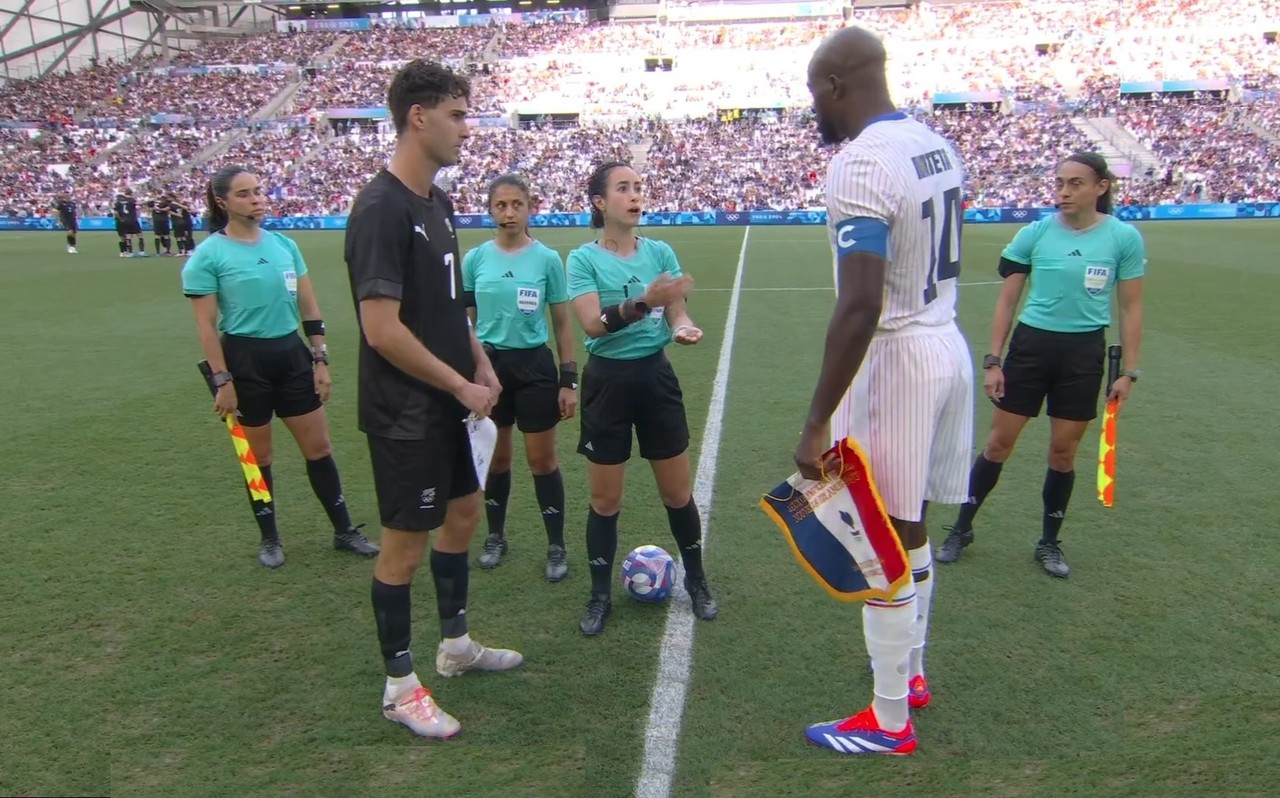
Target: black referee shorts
530	395
416	479
618	395
1064	368
272	375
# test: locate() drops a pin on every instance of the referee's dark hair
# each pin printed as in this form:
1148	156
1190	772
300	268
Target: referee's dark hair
598	186
515	181
216	218
424	83
1095	161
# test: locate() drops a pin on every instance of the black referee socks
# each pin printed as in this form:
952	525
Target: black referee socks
686	528
1056	494
497	492
265	512
327	485
550	491
602	547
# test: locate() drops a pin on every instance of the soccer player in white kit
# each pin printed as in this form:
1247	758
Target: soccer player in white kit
894	208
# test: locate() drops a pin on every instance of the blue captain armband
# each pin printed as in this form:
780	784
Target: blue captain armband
862	234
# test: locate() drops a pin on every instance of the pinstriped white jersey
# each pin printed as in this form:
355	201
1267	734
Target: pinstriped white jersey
902	173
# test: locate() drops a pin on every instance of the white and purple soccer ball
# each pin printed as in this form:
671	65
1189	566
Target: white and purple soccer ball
649	574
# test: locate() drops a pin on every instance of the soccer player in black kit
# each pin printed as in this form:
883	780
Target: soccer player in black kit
66	208
180	223
422	373
160	224
128	227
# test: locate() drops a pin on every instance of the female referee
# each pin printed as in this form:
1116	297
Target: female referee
513	281
629	296
1075	260
250	284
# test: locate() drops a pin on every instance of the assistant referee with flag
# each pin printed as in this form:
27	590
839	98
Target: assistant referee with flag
1075	261
251	285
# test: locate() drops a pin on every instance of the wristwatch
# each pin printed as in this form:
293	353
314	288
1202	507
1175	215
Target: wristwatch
221	378
1132	374
320	355
991	361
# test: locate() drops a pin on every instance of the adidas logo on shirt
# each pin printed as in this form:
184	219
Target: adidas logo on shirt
633	280
1075	253
509	276
262	261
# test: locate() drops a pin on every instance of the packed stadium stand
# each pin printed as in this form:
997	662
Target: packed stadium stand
1181	95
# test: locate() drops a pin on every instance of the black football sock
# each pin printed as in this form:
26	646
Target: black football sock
452	575
982	479
142	245
1057	495
156	241
497	490
265	512
686	528
124	246
392	612
602	547
71	239
550	491
328	489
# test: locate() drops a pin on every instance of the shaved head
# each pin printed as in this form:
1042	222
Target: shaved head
848	83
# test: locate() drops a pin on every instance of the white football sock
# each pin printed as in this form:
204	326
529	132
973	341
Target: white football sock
889	630
921	566
397	685
457	646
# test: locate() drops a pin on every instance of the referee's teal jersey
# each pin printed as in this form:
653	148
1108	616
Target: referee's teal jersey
256	284
512	291
594	269
1074	272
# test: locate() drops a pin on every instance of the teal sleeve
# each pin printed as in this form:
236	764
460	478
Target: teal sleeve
1020	248
582	278
670	263
299	263
557	284
469	267
199	274
1133	255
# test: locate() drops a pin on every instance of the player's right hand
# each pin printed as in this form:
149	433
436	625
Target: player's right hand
476	398
993	383
664	290
225	401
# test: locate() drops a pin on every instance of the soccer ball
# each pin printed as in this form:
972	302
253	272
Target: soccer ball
648	574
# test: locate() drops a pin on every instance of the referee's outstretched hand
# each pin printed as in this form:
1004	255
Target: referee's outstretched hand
476	398
664	290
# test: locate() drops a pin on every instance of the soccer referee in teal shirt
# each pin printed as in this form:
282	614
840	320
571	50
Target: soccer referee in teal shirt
629	295
513	282
1076	261
251	285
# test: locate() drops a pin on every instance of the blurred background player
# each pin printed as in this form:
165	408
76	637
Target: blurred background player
252	286
1075	261
629	296
67	218
514	282
128	228
894	193
181	224
422	373
160	224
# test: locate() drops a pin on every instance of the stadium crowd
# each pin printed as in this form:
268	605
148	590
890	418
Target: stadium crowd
131	123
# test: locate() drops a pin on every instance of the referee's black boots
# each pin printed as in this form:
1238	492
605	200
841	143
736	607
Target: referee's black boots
355	541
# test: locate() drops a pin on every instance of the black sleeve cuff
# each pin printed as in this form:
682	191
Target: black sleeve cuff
1008	267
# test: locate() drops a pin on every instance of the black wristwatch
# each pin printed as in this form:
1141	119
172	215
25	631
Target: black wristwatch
991	361
641	307
320	355
221	378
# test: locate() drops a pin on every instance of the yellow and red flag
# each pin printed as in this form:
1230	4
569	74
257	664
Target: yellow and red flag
1107	455
248	463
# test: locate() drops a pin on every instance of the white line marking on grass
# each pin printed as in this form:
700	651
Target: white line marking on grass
675	660
826	288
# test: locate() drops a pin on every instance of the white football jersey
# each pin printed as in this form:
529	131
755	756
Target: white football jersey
901	173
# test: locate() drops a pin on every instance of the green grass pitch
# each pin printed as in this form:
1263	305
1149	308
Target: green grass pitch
146	653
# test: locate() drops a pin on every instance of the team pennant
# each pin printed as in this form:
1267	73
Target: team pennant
839	531
484	439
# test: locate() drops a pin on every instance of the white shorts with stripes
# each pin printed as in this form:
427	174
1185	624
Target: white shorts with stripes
910	408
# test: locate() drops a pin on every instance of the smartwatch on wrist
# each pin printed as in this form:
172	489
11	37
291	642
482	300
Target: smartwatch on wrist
991	361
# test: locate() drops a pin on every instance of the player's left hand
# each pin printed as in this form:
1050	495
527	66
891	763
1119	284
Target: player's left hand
815	442
1120	390
686	334
489	379
568	403
324	384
